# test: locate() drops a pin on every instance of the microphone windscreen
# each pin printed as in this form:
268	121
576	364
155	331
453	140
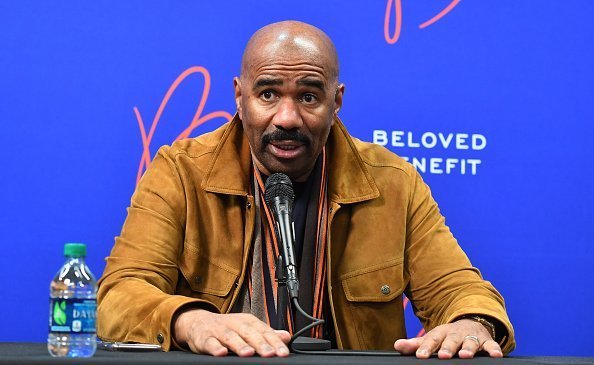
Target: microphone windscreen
278	185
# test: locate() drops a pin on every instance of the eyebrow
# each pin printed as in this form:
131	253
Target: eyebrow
318	84
267	82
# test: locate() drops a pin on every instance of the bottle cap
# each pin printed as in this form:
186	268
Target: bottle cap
75	249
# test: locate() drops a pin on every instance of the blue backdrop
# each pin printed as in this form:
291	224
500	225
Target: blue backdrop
491	100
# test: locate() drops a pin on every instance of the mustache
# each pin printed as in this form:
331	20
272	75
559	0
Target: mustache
284	135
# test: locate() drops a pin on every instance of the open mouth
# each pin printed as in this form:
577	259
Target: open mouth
286	149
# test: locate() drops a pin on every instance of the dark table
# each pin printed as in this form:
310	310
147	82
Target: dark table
36	353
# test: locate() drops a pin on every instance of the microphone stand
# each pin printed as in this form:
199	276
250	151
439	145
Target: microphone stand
298	343
281	295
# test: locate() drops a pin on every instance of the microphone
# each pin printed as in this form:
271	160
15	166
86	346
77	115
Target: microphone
279	198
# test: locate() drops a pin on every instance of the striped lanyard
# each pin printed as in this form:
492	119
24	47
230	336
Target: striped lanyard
271	250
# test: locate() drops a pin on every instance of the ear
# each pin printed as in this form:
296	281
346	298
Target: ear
338	98
237	88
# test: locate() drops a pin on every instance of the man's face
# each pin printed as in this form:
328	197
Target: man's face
286	101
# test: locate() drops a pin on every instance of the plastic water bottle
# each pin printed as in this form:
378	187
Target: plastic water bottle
73	306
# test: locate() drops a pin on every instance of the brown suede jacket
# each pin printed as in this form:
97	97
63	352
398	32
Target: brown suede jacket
190	224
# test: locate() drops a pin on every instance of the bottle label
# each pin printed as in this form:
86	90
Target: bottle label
73	315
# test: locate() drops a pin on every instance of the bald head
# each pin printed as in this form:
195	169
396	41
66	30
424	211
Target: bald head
287	40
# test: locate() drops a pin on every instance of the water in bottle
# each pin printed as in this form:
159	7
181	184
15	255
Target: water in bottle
73	306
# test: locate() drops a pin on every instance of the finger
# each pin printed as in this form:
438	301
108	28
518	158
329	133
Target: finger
254	336
275	341
210	346
408	346
470	346
450	345
492	348
233	341
431	342
285	336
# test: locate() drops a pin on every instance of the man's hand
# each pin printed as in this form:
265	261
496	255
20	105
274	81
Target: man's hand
217	334
465	336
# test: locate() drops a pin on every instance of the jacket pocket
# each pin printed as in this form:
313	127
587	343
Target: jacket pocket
205	275
378	283
374	315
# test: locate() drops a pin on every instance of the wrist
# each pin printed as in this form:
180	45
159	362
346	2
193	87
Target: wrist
487	323
182	323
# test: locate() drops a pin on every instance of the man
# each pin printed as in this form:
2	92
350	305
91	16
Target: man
193	265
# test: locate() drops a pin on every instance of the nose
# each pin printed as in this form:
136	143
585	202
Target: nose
287	115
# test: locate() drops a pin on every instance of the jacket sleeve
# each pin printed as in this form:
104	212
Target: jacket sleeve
443	284
136	299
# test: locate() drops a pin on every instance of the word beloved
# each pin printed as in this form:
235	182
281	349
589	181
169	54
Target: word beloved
459	141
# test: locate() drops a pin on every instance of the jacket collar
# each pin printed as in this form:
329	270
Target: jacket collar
350	181
230	168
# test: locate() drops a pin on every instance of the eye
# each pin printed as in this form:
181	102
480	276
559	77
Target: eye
267	95
309	98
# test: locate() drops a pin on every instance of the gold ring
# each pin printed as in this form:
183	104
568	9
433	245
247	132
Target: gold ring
474	338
